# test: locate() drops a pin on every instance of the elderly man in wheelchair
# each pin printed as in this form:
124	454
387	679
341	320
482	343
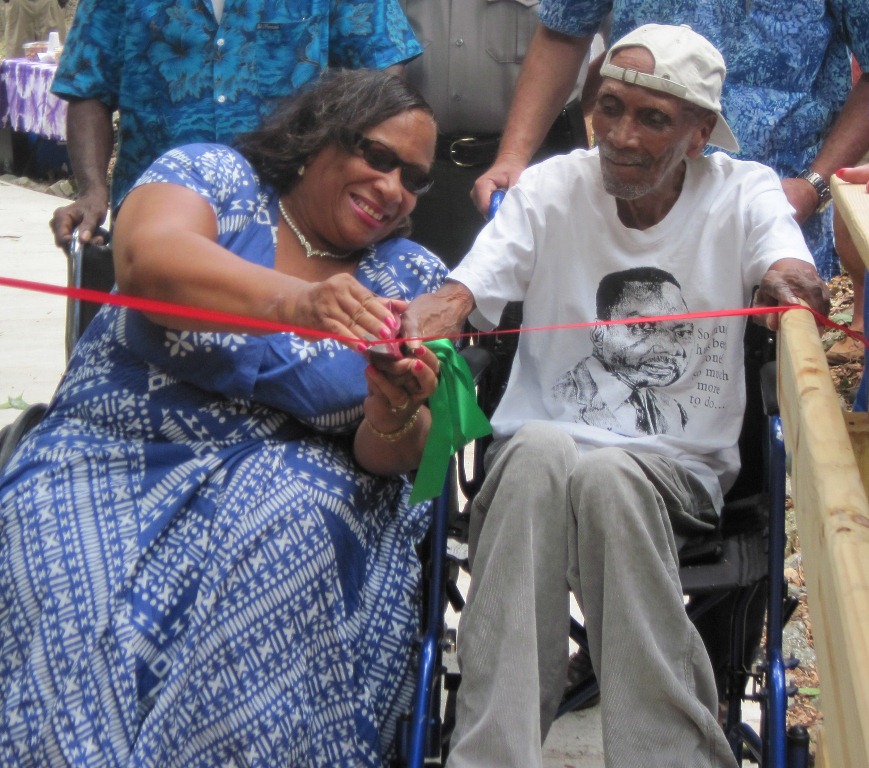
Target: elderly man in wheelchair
613	447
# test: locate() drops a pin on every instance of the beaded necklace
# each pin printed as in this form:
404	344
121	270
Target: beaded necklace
310	251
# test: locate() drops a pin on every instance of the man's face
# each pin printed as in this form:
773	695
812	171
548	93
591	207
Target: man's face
646	354
643	135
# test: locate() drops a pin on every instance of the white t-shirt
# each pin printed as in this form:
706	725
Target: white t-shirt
674	388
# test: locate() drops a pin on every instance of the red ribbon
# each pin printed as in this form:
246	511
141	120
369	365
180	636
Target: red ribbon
197	313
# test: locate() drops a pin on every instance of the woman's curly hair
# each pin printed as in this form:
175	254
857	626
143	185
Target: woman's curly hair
329	111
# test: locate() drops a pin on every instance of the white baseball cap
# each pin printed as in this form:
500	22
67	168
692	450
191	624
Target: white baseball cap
687	66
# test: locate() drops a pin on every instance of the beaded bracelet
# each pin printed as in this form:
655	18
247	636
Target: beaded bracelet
391	437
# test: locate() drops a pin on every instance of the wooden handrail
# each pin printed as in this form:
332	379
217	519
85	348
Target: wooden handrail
852	202
833	521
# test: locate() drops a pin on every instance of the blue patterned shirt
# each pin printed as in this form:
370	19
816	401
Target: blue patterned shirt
788	71
177	76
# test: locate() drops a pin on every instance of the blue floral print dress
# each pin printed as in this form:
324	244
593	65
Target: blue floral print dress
193	570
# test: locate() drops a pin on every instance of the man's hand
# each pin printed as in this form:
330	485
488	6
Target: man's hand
437	315
785	283
548	75
90	139
802	196
502	175
87	213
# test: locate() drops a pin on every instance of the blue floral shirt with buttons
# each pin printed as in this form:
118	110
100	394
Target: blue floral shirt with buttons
178	76
788	71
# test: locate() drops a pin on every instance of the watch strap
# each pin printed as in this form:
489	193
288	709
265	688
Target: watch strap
821	186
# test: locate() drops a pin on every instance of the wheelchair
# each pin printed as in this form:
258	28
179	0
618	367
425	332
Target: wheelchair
733	581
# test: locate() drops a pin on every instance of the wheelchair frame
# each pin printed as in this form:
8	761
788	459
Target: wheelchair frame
88	266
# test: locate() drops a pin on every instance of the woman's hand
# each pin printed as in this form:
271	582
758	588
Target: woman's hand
856	175
393	433
398	387
342	306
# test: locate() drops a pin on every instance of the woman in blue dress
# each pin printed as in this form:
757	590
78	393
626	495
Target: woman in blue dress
207	554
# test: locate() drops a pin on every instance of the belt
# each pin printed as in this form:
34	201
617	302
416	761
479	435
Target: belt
468	151
567	133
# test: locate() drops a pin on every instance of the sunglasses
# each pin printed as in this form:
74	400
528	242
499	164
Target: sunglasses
414	178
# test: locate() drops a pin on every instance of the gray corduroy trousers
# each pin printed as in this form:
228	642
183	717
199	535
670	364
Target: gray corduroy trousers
606	524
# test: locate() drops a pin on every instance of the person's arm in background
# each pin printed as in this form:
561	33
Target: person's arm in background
87	77
546	79
90	140
592	83
386	41
845	144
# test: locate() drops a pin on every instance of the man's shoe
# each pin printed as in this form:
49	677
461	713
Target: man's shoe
579	672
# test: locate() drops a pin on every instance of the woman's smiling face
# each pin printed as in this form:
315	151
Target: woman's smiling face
352	205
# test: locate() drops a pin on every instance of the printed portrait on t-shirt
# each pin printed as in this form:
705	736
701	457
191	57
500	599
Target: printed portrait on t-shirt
622	385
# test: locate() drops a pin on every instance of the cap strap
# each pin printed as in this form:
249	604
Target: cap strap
632	77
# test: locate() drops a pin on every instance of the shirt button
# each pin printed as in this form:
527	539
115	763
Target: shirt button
459	42
221	42
221	98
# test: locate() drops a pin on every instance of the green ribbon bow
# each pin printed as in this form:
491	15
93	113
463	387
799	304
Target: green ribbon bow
456	420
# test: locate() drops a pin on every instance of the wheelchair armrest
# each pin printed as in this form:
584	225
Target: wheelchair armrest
769	388
742	561
700	552
478	360
749	514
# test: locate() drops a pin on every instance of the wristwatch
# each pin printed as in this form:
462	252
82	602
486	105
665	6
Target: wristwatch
821	187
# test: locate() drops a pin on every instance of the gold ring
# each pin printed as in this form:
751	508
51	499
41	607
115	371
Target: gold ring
355	318
399	408
367	299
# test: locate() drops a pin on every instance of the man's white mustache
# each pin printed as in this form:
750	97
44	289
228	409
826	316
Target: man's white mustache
624	158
